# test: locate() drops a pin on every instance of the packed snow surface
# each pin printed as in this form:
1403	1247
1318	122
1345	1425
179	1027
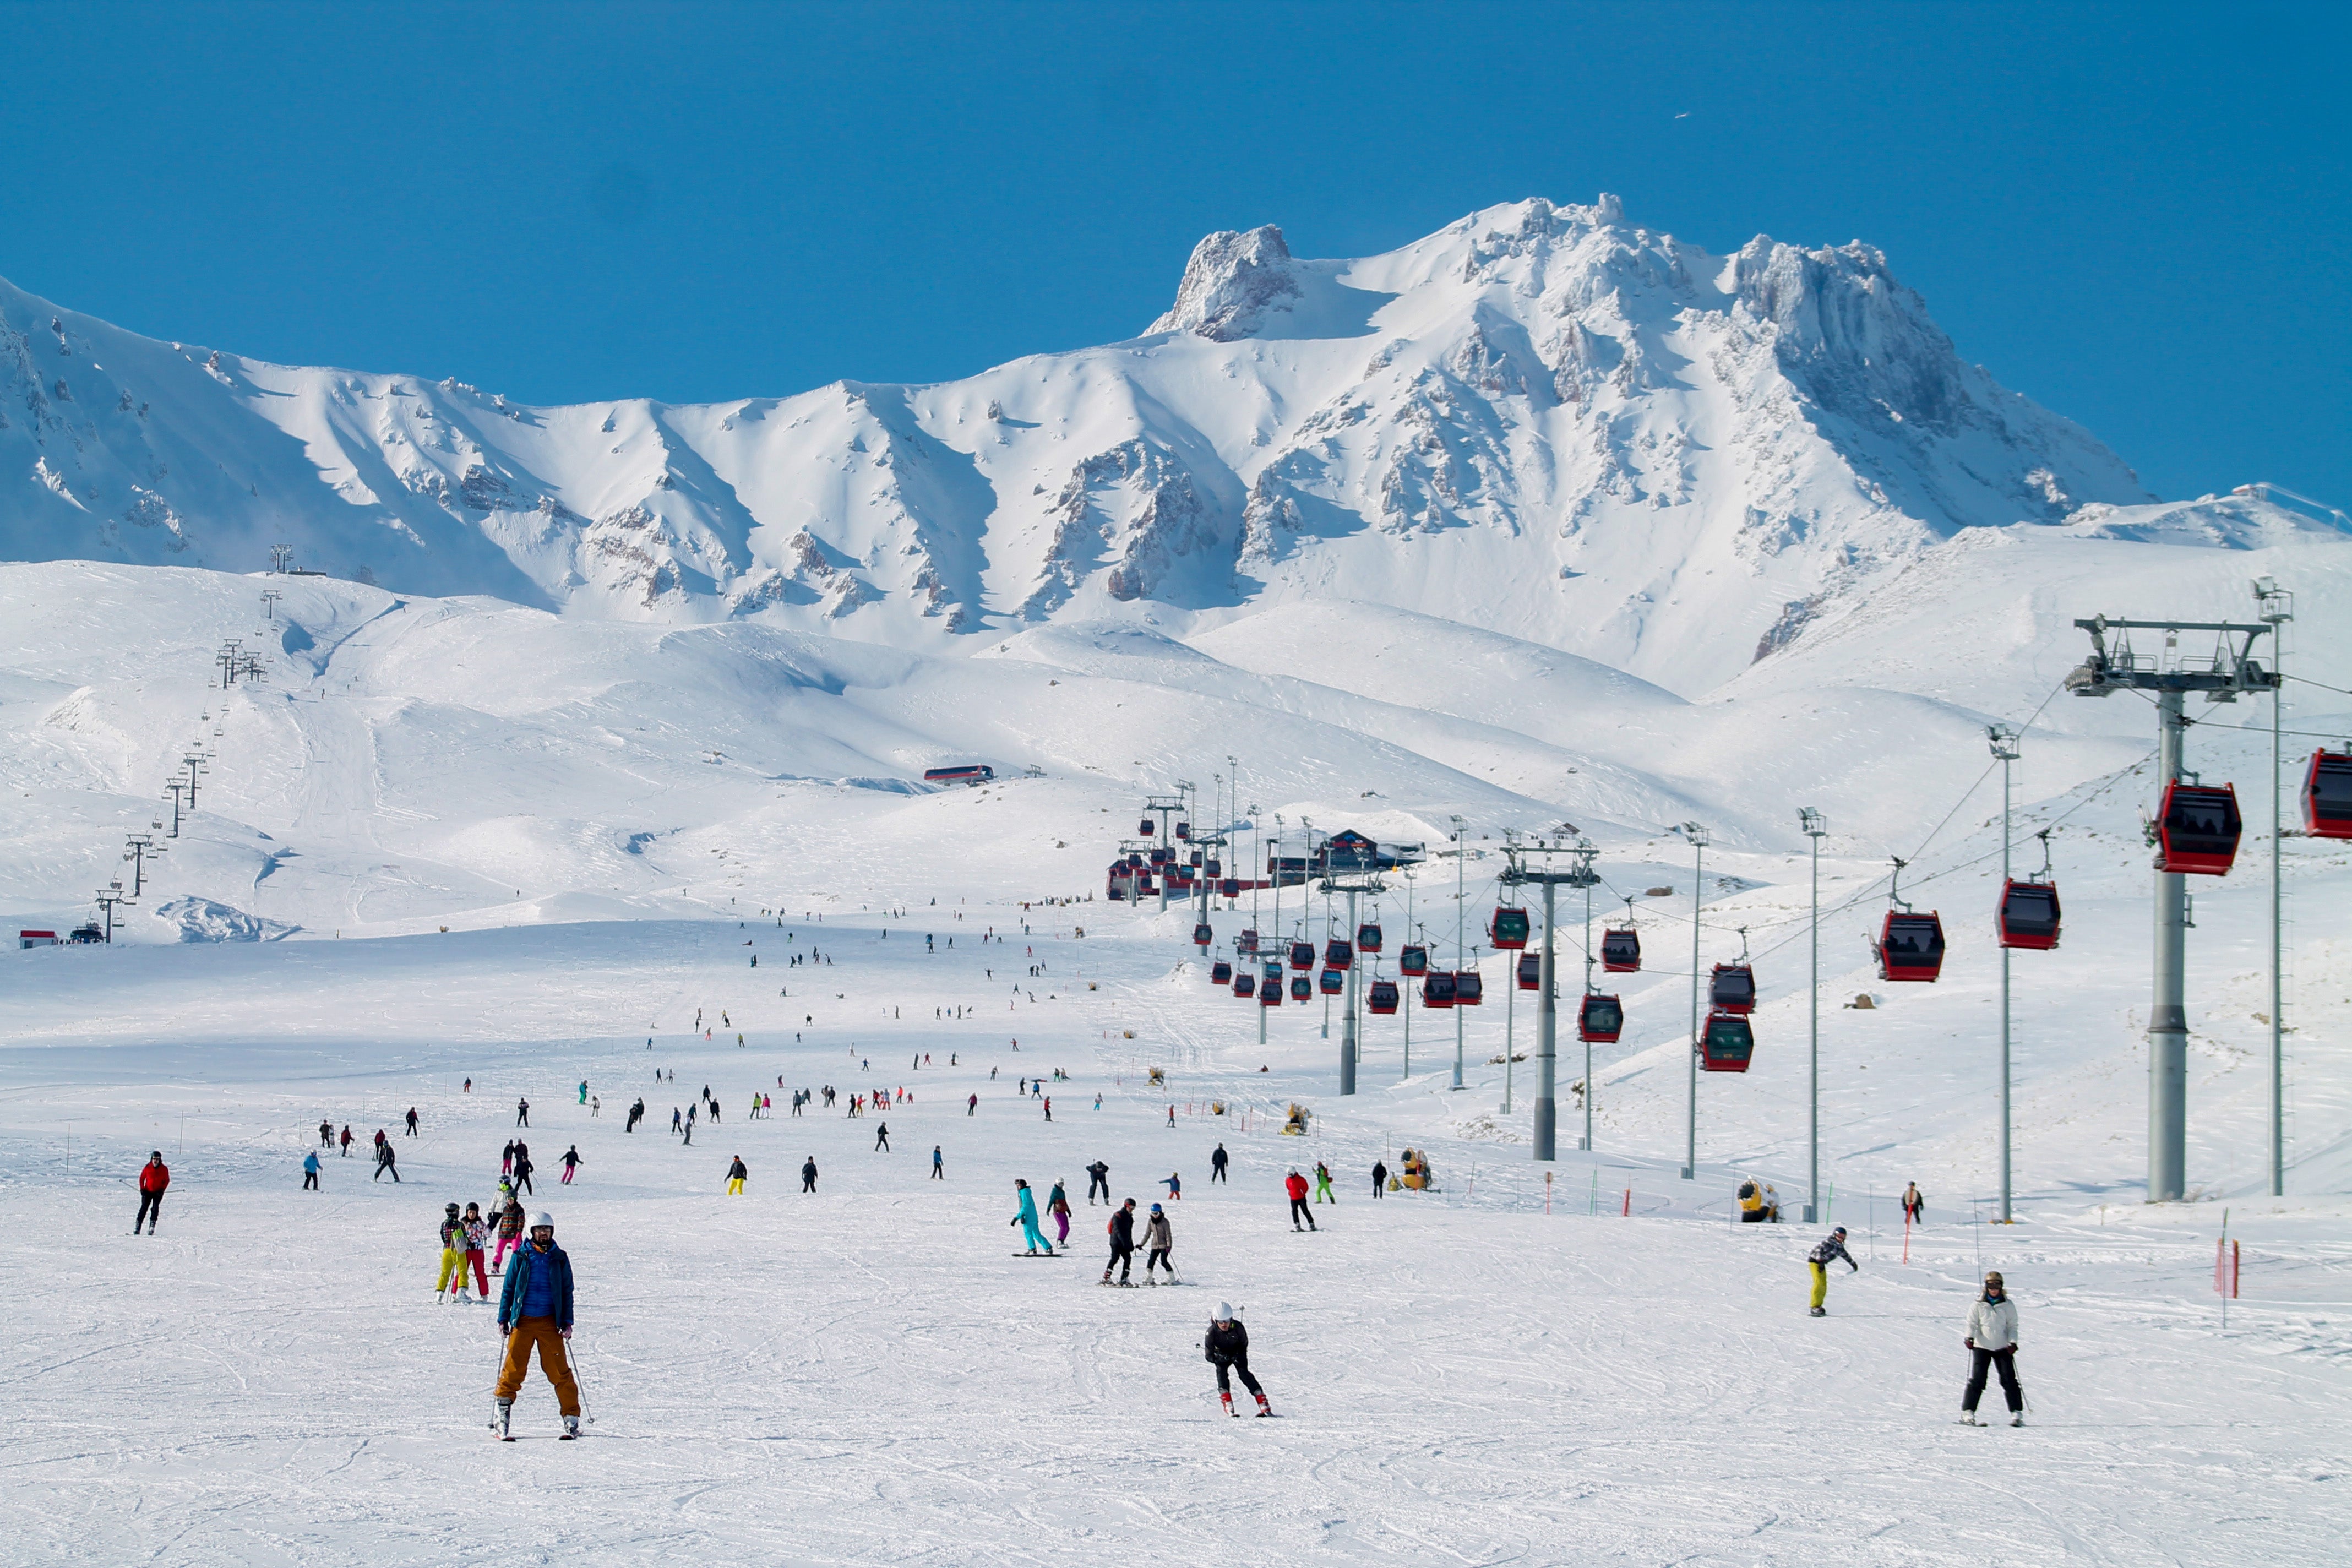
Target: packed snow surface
1546	523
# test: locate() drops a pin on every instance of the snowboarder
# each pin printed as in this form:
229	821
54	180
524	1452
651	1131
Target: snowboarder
1380	1178
1915	1204
570	1163
154	1176
1323	1193
385	1160
939	1166
1123	1242
1027	1219
1158	1241
1097	1175
1057	1203
736	1174
882	1137
311	1172
808	1174
1295	1185
1217	1164
1227	1350
1831	1251
535	1310
1993	1347
522	1112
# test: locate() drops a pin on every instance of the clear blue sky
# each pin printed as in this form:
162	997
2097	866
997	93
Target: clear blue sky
2140	216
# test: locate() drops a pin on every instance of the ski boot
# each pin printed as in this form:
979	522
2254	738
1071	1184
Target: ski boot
2017	1418
1818	1312
571	1429
1228	1400
1968	1418
1263	1407
502	1419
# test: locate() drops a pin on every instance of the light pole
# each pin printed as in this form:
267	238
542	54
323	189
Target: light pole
1697	835
2277	608
1815	824
2002	739
1460	857
1405	998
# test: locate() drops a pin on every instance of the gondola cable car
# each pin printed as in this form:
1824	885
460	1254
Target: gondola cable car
1338	954
1910	945
1621	949
1302	955
2027	915
1368	937
1437	988
1726	1043
1246	942
2328	794
1384	998
2196	832
1244	984
1732	988
1203	934
1412	959
1302	989
1334	981
1220	972
1601	1019
1269	986
1509	930
1530	969
1144	829
1469	988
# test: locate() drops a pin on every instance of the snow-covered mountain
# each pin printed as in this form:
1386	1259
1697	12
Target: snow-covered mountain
1544	421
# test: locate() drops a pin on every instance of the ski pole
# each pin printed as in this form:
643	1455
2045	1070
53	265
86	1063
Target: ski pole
579	1383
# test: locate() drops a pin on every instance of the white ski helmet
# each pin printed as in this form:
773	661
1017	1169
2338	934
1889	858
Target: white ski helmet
543	1218
1224	1311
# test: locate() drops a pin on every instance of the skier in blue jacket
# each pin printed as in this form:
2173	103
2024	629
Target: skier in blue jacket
1027	1219
535	1308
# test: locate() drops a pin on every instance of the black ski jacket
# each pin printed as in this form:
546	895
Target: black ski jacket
1122	1230
1227	1343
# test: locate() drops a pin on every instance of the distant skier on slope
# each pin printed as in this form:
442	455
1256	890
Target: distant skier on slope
1295	1185
1098	1177
737	1173
571	1163
1057	1203
1027	1219
154	1177
1217	1164
1323	1193
1831	1251
1380	1178
808	1174
1993	1347
1123	1242
1226	1347
386	1159
522	1112
882	1137
311	1172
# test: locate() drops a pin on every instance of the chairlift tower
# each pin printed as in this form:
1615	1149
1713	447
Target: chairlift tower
2230	672
269	598
137	847
1522	871
108	897
1162	806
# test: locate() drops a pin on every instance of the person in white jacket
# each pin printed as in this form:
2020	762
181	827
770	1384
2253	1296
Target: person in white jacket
1993	1347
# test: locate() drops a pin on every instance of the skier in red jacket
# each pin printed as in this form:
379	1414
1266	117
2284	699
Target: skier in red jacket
153	1177
1295	1185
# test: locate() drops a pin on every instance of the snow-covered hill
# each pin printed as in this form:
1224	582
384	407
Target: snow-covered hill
1544	421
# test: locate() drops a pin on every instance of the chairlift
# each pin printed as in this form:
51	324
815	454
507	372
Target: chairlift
1302	989
1338	954
1334	981
1302	955
2328	795
1601	1019
1437	988
1508	929
1246	942
1412	958
1244	984
1221	973
1531	971
2027	916
1910	945
1469	990
1383	998
1732	989
1367	938
1203	934
1726	1044
2197	832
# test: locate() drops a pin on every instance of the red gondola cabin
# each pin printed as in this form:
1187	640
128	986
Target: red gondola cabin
1221	973
1911	946
1601	1019
1732	989
1244	984
1437	989
1508	929
1531	971
1367	938
1621	952
1384	998
2328	795
1302	955
1469	990
2028	915
2197	832
1338	954
1728	1043
1412	958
